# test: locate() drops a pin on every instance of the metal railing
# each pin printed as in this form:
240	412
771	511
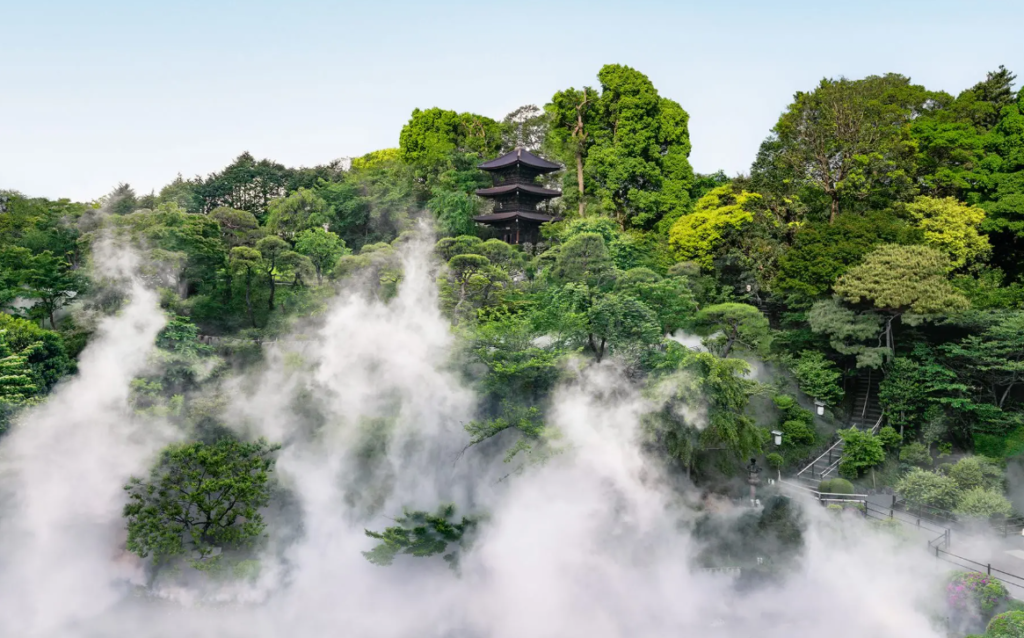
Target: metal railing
828	453
983	568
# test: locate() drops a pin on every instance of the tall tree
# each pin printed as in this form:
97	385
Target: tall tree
638	161
848	139
323	249
246	262
271	249
572	122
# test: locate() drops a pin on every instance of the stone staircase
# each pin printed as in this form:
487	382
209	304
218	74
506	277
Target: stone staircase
866	409
866	414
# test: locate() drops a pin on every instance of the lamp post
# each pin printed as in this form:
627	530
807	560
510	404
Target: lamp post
753	480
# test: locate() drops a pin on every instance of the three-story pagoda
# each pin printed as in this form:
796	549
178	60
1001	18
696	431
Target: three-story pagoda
516	195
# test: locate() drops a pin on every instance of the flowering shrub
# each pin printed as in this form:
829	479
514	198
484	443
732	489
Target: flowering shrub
1007	625
975	592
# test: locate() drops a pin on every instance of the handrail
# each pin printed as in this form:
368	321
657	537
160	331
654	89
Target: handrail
878	424
823	454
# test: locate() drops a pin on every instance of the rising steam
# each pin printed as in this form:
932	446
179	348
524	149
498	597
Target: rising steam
591	543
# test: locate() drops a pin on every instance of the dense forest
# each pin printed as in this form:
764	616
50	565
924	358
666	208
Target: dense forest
863	283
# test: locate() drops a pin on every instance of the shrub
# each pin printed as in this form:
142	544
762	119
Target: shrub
890	438
921	487
916	454
983	503
836	486
775	460
976	471
1007	625
976	592
861	451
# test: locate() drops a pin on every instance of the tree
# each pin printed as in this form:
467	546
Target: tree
454	211
821	253
434	138
52	283
122	200
861	451
422	534
638	162
901	279
525	127
951	227
735	323
849	139
323	249
669	298
819	377
718	216
571	130
619	322
247	262
245	184
271	250
993	360
302	210
200	498
237	227
43	350
585	259
976	472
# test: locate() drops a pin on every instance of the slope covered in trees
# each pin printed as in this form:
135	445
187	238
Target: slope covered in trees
880	229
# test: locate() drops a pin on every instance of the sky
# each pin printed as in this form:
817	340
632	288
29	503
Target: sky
95	94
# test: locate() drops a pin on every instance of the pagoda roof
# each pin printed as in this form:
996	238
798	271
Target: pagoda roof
540	191
520	156
499	217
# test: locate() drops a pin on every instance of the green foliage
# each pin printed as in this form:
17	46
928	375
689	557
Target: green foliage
976	593
717	217
983	503
43	350
735	324
821	253
422	534
890	438
916	453
845	142
299	211
902	279
775	460
16	383
861	451
454	211
638	161
819	377
920	487
322	247
835	486
951	227
200	498
1009	624
584	259
796	423
976	472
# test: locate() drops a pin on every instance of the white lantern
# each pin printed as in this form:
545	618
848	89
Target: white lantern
819	406
778	437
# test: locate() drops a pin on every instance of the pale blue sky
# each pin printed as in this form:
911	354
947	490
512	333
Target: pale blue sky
92	94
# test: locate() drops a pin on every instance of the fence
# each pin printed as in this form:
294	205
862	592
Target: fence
986	568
